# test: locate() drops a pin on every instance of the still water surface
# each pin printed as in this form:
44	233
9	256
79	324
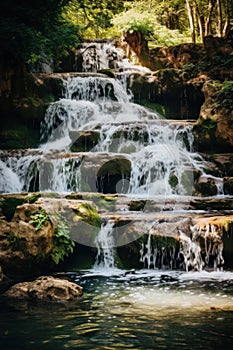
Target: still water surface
129	310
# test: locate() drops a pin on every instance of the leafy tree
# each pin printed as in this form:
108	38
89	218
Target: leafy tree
93	17
160	23
199	17
29	30
209	17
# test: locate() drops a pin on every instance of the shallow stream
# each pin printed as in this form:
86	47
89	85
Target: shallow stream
135	309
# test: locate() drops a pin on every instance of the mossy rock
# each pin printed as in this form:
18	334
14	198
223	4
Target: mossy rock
102	201
84	141
137	205
82	258
87	213
205	136
228	185
207	188
9	203
109	72
129	255
162	110
173	181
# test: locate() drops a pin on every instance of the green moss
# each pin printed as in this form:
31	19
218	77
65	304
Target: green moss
19	137
173	181
88	214
108	72
129	255
84	141
83	257
137	205
103	202
164	242
226	223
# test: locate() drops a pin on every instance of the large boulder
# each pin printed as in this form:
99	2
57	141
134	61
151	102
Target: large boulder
46	288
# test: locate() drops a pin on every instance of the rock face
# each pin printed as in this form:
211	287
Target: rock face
24	98
136	48
46	288
171	92
23	249
214	128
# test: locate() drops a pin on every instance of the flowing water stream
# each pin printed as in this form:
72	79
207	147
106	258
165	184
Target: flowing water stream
163	306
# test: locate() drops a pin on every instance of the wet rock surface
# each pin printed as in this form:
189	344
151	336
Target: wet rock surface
46	288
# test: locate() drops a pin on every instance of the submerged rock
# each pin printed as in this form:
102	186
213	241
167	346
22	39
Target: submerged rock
46	288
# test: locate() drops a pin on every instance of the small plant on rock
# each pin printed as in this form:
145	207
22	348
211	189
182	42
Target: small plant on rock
63	245
39	218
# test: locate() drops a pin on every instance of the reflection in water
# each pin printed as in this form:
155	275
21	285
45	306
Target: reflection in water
130	310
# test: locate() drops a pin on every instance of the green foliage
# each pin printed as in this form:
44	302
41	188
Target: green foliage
62	244
93	17
132	20
148	24
30	33
39	219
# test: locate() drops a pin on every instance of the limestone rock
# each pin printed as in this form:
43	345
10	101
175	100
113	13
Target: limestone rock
23	249
46	288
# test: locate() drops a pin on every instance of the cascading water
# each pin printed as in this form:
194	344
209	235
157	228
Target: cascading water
105	245
159	151
156	150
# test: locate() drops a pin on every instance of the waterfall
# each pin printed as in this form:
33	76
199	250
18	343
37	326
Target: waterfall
156	252
135	152
104	55
160	161
105	245
9	181
203	249
159	151
196	254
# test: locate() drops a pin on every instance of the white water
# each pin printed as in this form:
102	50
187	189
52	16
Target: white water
105	245
97	56
154	147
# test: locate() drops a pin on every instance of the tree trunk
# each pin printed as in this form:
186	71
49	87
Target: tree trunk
226	26
220	25
191	21
199	21
208	30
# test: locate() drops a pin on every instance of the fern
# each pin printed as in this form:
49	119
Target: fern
39	218
63	245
